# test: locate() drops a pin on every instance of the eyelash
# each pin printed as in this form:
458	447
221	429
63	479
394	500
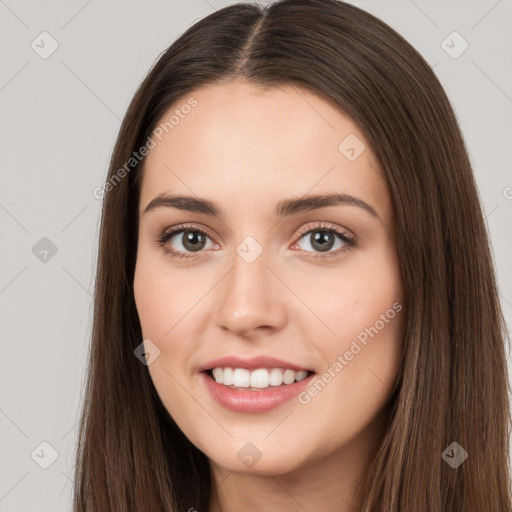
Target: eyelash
350	241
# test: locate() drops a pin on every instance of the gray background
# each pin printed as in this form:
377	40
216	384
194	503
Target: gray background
59	118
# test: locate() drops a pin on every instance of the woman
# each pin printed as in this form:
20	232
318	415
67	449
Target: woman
336	343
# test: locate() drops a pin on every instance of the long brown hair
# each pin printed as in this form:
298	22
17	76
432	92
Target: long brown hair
452	386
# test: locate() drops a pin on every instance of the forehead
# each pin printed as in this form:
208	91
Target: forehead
245	146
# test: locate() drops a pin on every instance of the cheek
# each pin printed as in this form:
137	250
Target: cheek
361	308
362	357
162	297
352	298
162	305
153	302
168	310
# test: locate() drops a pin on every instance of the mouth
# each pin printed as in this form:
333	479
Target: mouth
256	380
253	385
254	391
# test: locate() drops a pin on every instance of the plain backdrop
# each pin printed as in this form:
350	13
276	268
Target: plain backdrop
60	114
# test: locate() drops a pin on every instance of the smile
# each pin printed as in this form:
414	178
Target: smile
261	378
248	397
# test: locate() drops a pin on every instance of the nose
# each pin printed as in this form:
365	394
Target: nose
251	299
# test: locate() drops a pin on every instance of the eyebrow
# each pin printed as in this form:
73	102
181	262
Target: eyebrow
283	208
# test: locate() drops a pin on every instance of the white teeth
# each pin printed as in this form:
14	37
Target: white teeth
257	379
228	376
241	378
218	375
289	376
300	375
276	377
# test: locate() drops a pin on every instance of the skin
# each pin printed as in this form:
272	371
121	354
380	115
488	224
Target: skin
246	148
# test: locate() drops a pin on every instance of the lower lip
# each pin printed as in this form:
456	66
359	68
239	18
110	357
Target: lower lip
253	401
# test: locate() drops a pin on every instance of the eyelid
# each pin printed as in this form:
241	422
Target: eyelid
187	227
327	226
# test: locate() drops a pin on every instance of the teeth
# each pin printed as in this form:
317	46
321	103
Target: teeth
276	377
289	376
241	378
218	375
300	375
228	376
257	379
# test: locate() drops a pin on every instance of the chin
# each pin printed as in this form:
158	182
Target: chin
249	460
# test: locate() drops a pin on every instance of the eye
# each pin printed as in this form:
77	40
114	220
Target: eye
323	238
189	239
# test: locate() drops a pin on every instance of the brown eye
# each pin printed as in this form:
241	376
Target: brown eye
184	240
324	239
321	240
193	240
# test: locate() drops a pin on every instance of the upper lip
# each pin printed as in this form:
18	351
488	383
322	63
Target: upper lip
252	363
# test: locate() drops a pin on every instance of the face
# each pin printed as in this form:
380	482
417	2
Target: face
267	282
